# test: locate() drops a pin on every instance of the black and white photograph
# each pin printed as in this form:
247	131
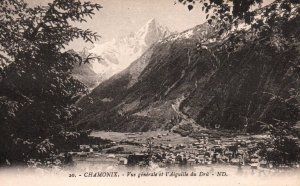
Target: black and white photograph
149	92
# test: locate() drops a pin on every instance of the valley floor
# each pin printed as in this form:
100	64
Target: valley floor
164	150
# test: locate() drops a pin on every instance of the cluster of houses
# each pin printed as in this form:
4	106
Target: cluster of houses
206	150
203	152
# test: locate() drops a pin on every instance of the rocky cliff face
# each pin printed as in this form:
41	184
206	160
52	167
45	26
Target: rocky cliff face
119	53
173	82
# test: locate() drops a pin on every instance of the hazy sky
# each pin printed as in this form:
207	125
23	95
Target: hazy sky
120	17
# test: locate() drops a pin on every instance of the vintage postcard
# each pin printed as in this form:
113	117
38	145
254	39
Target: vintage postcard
149	92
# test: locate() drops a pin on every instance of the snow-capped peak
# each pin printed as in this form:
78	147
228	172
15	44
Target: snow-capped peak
151	31
119	53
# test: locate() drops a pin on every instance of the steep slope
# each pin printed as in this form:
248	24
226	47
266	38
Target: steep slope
85	74
175	83
145	91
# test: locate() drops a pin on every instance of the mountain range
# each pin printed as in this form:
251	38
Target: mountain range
175	83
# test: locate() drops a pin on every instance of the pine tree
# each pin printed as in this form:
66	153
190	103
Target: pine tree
37	91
